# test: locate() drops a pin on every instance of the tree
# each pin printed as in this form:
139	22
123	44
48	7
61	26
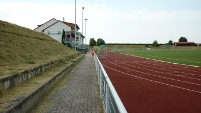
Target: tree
100	42
92	42
170	42
183	39
155	43
63	37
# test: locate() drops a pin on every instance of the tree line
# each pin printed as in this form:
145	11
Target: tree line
170	42
155	43
93	42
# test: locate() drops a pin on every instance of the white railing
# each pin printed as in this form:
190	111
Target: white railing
111	101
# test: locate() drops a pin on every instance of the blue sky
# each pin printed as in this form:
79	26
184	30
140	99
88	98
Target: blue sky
115	21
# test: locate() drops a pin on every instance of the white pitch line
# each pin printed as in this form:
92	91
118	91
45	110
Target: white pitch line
175	59
156	81
171	58
175	68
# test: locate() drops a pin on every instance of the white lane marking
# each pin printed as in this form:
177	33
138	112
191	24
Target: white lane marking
157	75
155	81
162	68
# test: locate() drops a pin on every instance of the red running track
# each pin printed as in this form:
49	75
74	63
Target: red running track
150	86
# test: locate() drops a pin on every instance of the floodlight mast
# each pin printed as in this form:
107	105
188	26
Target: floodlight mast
86	31
82	25
75	25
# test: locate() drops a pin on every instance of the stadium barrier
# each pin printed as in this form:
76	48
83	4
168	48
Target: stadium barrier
111	101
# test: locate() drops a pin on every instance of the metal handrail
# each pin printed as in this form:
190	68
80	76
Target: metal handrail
111	101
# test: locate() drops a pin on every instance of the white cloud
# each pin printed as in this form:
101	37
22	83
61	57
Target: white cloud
145	26
32	14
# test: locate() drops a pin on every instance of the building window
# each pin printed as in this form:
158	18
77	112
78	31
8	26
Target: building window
77	38
68	35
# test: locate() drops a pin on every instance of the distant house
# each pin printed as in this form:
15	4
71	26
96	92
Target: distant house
184	44
54	28
198	44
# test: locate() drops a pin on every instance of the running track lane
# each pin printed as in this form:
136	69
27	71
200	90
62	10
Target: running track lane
149	86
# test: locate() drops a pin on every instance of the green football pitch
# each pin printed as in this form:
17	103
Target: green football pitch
188	57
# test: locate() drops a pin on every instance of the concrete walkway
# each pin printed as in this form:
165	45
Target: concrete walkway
77	93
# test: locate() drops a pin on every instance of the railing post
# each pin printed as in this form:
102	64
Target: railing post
96	62
98	70
107	99
101	83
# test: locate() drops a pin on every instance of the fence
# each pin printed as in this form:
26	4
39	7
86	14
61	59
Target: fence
111	101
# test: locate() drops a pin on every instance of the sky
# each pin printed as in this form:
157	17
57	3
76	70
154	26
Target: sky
115	21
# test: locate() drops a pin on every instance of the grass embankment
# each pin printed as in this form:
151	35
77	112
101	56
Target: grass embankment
12	97
22	49
188	57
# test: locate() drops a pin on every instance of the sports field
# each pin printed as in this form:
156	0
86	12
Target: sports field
188	57
151	86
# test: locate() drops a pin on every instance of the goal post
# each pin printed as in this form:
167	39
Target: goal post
168	47
115	49
102	51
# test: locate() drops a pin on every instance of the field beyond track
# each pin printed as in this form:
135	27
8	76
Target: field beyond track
188	57
151	86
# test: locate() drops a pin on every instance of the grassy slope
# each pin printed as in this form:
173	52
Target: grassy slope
189	57
22	48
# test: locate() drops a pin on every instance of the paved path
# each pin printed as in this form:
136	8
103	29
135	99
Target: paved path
76	93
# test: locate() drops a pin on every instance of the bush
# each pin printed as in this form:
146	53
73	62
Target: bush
155	43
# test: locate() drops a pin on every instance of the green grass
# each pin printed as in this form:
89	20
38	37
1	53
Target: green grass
22	48
188	57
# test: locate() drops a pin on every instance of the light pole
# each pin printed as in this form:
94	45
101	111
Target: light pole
82	24
86	31
75	23
82	20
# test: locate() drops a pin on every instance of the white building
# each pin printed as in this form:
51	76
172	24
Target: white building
54	28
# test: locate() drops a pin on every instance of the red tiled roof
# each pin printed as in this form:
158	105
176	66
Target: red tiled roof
70	24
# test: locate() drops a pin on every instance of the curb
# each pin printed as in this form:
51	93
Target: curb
29	101
12	81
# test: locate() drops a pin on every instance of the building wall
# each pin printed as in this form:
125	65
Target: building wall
80	41
54	29
45	25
